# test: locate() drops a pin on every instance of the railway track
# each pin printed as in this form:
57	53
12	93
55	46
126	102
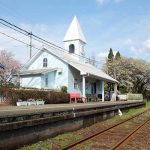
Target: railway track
129	136
109	137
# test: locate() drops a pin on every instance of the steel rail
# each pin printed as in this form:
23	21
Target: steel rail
127	138
100	132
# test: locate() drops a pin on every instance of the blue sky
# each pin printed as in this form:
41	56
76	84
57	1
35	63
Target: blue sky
123	25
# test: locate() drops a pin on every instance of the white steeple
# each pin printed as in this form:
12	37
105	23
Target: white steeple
74	40
74	32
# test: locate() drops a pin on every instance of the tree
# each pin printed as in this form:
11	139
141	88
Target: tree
10	67
117	56
110	55
133	75
110	63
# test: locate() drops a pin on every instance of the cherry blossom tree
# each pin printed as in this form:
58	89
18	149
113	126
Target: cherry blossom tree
8	67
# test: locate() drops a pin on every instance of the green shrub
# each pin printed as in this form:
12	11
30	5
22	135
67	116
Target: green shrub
64	89
134	96
50	97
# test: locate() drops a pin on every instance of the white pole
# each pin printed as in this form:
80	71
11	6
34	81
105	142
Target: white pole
83	86
102	91
115	90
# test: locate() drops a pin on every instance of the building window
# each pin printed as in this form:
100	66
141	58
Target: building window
59	73
71	48
45	62
75	84
93	88
46	81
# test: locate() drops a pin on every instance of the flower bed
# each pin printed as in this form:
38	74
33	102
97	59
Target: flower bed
40	102
23	103
30	102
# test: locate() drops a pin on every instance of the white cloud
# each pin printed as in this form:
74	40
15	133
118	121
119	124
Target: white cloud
25	26
143	50
21	51
147	44
128	41
118	1
101	2
102	54
138	52
105	54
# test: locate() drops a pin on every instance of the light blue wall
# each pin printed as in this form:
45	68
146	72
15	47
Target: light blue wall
34	81
63	76
88	86
74	74
89	82
55	78
51	80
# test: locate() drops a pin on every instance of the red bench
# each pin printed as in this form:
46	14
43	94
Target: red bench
76	97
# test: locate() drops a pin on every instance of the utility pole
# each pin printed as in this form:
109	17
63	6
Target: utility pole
30	45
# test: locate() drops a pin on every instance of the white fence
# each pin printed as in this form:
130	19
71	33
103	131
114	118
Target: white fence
130	96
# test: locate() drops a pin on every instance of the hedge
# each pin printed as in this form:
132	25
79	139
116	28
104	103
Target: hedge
50	97
134	96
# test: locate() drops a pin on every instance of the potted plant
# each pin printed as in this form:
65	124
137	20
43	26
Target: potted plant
31	102
21	103
40	102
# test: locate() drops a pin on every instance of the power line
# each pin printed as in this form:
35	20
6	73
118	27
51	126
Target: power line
29	45
14	38
41	40
37	38
13	28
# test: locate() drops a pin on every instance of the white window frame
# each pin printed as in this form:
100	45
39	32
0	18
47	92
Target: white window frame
45	62
46	80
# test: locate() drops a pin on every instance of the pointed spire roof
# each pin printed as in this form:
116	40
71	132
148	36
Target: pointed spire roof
74	32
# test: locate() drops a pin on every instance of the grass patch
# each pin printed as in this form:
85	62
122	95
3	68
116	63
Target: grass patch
127	125
41	145
67	138
148	104
58	141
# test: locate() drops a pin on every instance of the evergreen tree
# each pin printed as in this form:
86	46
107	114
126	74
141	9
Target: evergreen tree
110	55
118	56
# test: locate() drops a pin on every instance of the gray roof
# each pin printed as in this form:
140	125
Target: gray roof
84	68
36	71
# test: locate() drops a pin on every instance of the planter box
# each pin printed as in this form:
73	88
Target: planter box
31	103
40	102
24	103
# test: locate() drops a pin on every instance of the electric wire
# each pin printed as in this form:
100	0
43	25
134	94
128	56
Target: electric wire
69	60
39	39
6	42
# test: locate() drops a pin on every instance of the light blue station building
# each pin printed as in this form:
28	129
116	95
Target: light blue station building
53	67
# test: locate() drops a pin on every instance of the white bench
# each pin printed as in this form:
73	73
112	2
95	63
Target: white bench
122	97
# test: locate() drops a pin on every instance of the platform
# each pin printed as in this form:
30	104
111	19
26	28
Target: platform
7	111
20	125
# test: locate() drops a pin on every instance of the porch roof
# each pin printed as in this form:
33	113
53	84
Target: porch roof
84	68
89	70
37	71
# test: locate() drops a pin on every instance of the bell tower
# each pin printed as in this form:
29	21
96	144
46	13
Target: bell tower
74	40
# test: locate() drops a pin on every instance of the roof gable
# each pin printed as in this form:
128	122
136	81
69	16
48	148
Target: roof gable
33	58
64	56
84	68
